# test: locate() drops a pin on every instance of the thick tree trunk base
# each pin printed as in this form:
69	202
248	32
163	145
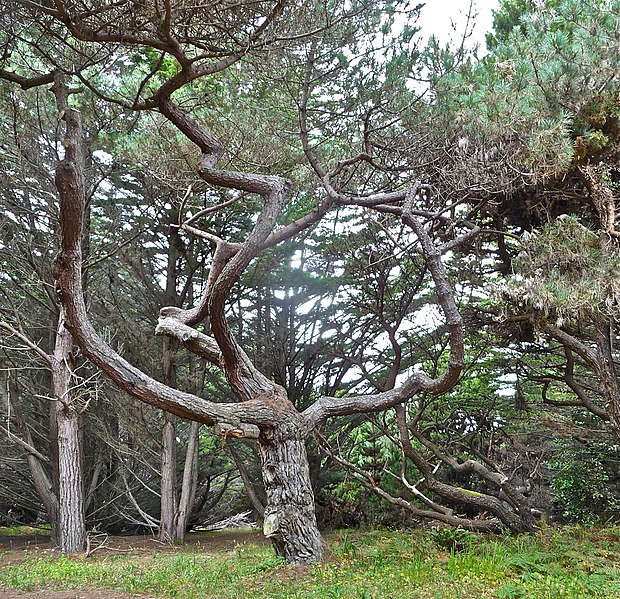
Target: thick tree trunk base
290	520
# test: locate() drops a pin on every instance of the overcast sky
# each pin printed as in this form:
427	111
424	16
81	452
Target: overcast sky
446	19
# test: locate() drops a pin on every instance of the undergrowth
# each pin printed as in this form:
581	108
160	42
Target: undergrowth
571	562
12	531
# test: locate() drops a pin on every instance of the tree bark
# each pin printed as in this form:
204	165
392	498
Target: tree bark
607	373
70	488
70	472
601	361
168	479
290	520
189	484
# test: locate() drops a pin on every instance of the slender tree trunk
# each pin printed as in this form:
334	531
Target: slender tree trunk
168	479
290	520
70	474
168	528
189	484
257	503
54	514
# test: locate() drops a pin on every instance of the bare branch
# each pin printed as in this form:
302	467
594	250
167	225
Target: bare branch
326	407
26	341
27	82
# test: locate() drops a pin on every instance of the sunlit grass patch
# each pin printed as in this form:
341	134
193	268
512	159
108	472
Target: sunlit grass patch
14	531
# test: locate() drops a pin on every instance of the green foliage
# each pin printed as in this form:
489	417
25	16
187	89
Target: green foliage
509	15
568	271
11	531
580	481
349	504
596	127
372	450
209	442
549	67
453	539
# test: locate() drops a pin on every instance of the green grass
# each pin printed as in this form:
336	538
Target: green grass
572	562
13	531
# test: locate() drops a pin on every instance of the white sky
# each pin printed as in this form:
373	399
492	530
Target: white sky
446	19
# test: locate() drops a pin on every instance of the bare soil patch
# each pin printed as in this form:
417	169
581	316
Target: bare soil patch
13	550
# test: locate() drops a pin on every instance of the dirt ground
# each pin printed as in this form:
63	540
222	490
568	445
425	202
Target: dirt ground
14	549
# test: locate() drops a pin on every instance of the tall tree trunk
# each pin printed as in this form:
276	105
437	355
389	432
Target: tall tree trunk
168	525
70	474
168	479
53	515
189	484
290	520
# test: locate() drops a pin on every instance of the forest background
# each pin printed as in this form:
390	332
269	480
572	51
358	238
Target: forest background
356	270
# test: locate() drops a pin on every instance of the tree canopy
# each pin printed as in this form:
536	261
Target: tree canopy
345	239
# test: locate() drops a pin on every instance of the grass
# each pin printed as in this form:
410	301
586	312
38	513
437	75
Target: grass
571	562
12	531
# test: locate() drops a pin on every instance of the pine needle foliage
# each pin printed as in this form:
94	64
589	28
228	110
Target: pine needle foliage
569	272
549	59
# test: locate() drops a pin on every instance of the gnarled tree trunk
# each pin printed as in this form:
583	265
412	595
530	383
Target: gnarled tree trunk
263	410
290	520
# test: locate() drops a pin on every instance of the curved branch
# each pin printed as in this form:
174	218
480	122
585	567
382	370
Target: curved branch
244	378
27	82
573	343
67	273
326	407
584	400
436	512
195	341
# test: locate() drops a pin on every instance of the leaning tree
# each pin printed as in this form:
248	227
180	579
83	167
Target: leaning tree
293	110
